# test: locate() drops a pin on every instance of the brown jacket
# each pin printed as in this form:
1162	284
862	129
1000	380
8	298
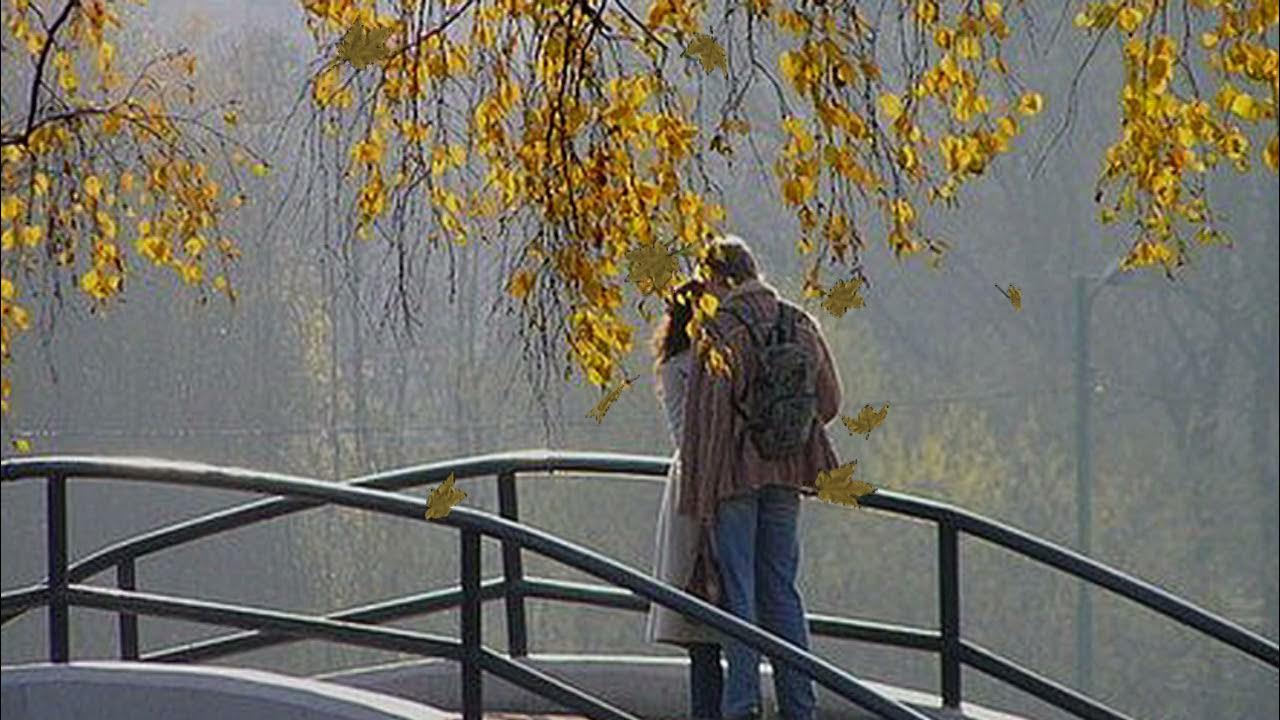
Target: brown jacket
718	461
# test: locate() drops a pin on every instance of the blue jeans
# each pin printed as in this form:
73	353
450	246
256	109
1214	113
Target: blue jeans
759	557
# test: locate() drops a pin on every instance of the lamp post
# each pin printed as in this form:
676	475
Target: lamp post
1086	289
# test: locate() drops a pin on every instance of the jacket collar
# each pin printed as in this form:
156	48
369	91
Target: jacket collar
750	287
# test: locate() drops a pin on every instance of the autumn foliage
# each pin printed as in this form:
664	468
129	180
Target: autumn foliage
568	131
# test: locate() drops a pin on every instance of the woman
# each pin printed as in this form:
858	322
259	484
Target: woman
677	535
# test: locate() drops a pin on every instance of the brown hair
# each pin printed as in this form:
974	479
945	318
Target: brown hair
671	338
732	261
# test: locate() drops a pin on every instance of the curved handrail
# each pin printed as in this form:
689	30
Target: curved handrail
548	461
387	503
519	461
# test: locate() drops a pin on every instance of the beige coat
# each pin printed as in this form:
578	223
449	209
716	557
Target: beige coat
675	539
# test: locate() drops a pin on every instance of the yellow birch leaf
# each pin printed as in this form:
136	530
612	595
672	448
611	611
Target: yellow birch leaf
868	419
1129	19
443	498
361	46
707	51
1014	295
651	267
1031	103
597	413
838	486
843	296
890	105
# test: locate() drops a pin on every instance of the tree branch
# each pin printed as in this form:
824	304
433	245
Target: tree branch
40	63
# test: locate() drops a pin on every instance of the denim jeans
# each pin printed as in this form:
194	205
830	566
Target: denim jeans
759	557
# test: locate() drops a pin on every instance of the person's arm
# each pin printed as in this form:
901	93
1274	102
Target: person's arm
829	389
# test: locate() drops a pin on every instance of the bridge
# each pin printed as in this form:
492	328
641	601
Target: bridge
462	676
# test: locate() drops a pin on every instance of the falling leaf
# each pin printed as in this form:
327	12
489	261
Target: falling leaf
361	46
839	487
868	419
1014	295
443	498
843	296
231	118
22	445
261	169
651	267
707	51
602	407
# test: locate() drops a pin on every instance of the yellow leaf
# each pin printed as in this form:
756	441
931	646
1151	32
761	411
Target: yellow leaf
93	186
1272	154
521	283
361	46
868	419
839	487
20	317
927	11
651	267
1244	106
707	51
708	304
11	207
261	169
6	289
890	105
602	407
1031	103
843	296
31	235
1014	294
22	445
231	118
40	183
1209	40
443	498
1129	19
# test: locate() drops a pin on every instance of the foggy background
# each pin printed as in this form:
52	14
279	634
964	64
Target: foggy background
301	377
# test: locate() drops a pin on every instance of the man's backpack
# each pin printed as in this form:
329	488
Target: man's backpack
780	405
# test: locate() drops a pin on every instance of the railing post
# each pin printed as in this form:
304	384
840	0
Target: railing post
126	580
472	697
513	570
949	610
56	517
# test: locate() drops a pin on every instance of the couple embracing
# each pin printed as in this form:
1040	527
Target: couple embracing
748	446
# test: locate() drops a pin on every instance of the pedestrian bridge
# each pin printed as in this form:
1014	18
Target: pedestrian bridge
462	676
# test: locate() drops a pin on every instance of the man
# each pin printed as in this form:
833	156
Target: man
748	507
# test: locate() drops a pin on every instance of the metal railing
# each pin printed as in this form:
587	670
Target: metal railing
266	628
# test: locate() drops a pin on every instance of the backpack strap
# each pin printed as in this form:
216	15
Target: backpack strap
755	339
784	324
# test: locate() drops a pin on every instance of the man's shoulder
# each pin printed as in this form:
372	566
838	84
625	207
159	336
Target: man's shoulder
803	317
